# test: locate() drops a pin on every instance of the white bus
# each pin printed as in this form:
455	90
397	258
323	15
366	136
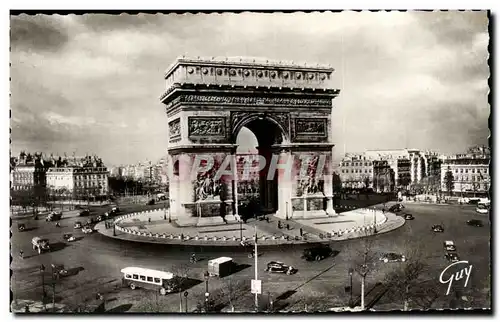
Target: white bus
164	282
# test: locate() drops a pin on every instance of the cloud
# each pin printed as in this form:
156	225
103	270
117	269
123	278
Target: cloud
407	79
37	32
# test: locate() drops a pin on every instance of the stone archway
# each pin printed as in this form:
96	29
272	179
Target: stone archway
287	106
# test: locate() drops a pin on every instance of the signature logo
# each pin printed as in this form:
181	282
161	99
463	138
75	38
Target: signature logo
456	275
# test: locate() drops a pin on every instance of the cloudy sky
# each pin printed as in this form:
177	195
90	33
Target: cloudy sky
90	84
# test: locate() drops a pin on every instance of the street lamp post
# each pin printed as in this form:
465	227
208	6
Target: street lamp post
375	221
42	271
206	275
351	271
241	229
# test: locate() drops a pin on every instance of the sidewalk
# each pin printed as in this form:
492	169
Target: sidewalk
152	227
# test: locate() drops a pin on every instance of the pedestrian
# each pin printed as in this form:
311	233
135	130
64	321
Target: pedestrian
301	232
287	226
149	219
21	254
279	224
267	219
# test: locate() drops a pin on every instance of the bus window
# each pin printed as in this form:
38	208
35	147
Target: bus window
135	276
157	280
128	276
143	278
150	279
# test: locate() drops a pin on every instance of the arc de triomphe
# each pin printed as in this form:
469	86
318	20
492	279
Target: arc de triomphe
288	108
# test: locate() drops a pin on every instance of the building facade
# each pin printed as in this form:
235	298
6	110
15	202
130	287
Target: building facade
383	176
356	171
470	173
78	182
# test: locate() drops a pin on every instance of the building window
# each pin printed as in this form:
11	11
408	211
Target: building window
461	170
473	170
466	170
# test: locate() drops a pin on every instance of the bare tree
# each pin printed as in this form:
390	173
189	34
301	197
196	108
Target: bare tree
363	260
233	289
181	272
405	279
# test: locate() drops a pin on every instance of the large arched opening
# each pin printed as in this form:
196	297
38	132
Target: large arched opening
257	138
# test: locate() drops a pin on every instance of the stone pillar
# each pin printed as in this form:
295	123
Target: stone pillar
328	186
285	185
412	169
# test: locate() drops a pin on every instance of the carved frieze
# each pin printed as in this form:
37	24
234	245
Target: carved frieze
207	126
310	129
216	99
283	119
174	129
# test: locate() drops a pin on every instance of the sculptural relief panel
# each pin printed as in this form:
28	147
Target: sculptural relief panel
209	127
309	129
174	130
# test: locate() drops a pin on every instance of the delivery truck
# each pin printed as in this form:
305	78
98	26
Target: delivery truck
221	266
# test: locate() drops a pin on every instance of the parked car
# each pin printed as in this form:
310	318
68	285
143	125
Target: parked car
58	270
475	223
449	245
77	225
150	202
392	257
396	208
452	256
69	237
280	267
317	253
84	212
87	230
54	216
409	217
437	228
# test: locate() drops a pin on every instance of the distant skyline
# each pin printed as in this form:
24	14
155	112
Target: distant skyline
91	84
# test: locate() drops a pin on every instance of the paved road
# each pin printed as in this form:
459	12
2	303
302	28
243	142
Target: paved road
96	261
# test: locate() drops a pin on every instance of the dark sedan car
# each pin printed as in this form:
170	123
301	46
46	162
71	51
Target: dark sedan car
409	217
475	223
452	256
317	253
392	257
279	267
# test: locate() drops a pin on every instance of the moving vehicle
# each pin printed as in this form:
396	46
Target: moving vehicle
475	223
396	208
21	227
483	207
221	266
87	230
409	217
77	225
317	253
137	277
280	267
40	244
452	256
437	228
58	270
392	257
84	212
54	216
69	237
449	245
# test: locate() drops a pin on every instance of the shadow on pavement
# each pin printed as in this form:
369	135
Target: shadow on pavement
239	267
120	308
54	247
74	271
285	295
188	283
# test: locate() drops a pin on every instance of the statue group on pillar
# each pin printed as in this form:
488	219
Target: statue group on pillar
311	184
206	187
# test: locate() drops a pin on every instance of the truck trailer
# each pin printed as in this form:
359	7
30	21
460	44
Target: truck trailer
221	266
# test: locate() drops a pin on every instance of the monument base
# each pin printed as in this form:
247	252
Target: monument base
309	214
